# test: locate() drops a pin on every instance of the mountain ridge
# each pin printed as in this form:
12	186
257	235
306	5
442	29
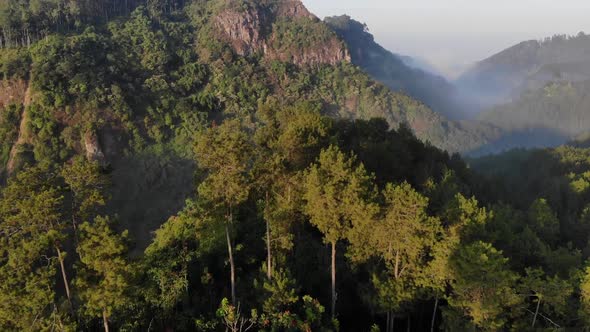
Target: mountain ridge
256	28
506	74
111	89
392	69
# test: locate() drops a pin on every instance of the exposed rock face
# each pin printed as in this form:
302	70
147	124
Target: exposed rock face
293	9
93	148
18	92
331	52
250	31
242	29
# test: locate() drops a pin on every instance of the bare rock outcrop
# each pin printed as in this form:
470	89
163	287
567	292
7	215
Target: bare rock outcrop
250	30
242	29
93	147
18	93
293	9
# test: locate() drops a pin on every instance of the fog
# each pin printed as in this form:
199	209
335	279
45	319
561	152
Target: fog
451	35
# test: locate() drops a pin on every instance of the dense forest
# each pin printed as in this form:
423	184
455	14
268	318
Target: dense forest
220	165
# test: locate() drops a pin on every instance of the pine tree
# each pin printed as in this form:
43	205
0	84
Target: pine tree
285	139
225	153
168	260
32	230
103	280
548	296
337	194
88	188
484	288
401	237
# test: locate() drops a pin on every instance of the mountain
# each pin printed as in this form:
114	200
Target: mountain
400	73
280	31
535	92
418	63
530	64
118	117
561	107
224	165
286	31
128	85
237	55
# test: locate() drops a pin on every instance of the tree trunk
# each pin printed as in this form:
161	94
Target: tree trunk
73	207
231	264
392	324
408	328
268	250
333	279
64	275
536	311
388	323
396	269
105	320
434	315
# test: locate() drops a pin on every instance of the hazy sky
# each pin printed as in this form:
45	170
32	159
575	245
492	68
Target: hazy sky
452	34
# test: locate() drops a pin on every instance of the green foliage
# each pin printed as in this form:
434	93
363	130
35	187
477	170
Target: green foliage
277	179
559	107
9	123
232	318
225	152
585	296
402	237
549	296
392	70
543	221
484	286
283	310
31	225
290	36
44	129
175	247
104	273
73	68
336	193
88	185
15	63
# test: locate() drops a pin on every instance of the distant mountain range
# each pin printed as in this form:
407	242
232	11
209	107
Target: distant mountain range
536	87
528	65
398	72
533	94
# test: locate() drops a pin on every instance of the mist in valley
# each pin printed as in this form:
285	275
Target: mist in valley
535	93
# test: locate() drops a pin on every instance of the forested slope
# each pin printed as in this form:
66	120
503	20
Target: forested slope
527	65
391	69
561	107
535	92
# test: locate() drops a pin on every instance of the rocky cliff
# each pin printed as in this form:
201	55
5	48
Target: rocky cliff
284	31
17	92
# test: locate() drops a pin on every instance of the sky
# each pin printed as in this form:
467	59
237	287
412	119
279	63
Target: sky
453	34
